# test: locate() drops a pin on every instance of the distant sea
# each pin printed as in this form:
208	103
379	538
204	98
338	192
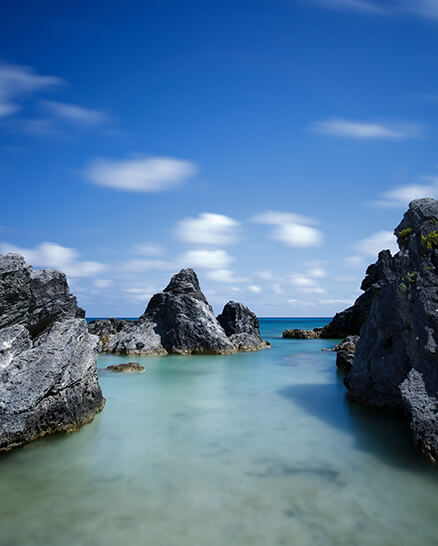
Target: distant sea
249	449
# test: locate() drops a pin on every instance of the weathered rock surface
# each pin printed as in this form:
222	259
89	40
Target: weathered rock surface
242	327
396	359
296	333
179	320
128	367
345	353
48	377
350	321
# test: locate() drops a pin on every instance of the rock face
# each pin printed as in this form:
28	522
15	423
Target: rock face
128	367
242	327
302	334
345	353
179	320
48	377
396	359
350	321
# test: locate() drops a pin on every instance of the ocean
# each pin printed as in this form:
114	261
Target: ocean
249	449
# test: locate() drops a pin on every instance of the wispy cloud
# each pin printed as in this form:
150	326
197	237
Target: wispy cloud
366	6
18	81
73	113
144	174
291	229
208	229
381	240
403	195
421	8
206	259
361	130
225	276
140	265
60	257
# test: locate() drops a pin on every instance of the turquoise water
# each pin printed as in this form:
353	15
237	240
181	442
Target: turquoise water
250	449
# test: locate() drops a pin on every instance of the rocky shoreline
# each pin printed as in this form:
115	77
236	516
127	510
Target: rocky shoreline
390	352
179	320
48	375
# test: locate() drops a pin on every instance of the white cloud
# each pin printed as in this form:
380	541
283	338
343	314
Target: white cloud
139	295
208	229
73	112
148	249
225	275
354	262
365	130
235	289
422	8
102	283
16	81
291	229
255	288
403	195
306	284
317	273
145	174
266	275
337	301
206	259
277	288
139	265
56	256
381	240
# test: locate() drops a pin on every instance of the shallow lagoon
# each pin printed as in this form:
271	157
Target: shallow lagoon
250	449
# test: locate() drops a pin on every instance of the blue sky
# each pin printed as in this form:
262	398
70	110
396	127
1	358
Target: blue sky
271	145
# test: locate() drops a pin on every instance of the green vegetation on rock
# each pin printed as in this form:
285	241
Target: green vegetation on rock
430	241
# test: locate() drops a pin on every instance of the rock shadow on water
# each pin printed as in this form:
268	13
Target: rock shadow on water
376	432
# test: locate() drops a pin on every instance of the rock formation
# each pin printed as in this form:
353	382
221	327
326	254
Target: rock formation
179	320
396	359
128	367
350	321
296	333
242	327
345	353
48	377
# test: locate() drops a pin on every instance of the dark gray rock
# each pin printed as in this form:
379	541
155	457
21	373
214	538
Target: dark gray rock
33	298
242	327
296	333
345	353
179	320
48	376
396	360
128	367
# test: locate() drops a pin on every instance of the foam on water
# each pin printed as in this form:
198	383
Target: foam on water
250	449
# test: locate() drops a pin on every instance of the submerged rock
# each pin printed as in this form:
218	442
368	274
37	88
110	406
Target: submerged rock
396	359
48	376
128	367
179	320
242	327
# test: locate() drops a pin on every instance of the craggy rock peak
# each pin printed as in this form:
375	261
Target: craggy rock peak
242	327
396	359
350	321
48	377
179	320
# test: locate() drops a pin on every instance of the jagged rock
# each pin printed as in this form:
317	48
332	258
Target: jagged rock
350	321
106	328
48	376
296	333
396	360
33	298
242	327
179	320
128	367
345	353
